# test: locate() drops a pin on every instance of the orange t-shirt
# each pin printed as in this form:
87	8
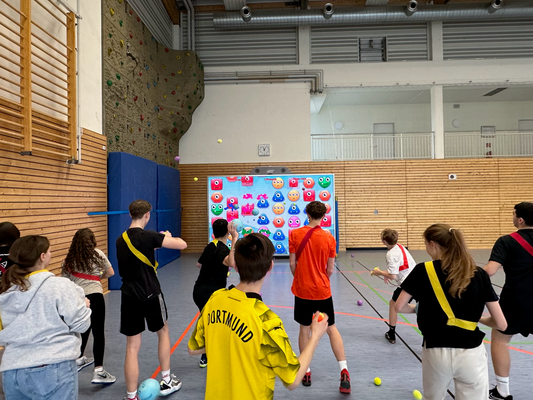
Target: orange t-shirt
311	281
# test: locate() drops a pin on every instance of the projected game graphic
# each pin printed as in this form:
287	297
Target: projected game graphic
272	205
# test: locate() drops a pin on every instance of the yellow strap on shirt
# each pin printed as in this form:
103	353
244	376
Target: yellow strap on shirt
443	301
137	253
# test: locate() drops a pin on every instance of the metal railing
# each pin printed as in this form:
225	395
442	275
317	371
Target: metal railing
477	145
400	146
371	146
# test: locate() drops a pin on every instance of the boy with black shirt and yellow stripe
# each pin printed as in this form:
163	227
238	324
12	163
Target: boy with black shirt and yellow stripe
245	341
142	299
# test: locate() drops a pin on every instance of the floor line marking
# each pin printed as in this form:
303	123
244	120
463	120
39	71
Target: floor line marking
158	370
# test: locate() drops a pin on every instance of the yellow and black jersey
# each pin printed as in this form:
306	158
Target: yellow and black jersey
246	345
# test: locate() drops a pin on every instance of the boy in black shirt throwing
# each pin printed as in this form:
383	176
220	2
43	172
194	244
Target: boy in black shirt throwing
213	264
141	296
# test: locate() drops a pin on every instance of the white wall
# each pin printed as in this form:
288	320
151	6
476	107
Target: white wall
244	116
407	118
503	115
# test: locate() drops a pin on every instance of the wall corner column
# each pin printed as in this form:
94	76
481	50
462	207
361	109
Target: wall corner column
304	45
435	41
437	120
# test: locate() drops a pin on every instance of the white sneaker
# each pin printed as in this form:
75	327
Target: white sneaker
103	377
83	362
173	386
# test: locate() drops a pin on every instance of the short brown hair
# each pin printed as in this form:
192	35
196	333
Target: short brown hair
315	210
253	257
138	208
390	236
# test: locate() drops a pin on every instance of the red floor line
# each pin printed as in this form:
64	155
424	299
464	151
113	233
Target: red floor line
512	348
158	370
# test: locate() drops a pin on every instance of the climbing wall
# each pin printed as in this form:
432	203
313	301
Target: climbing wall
150	91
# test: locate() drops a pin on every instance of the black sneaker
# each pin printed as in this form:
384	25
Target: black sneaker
390	337
494	394
306	381
173	386
203	361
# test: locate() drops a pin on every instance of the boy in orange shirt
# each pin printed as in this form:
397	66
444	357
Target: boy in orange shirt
312	261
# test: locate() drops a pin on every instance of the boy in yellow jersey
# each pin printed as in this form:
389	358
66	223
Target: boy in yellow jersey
245	341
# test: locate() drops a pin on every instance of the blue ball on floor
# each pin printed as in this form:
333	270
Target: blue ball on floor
149	390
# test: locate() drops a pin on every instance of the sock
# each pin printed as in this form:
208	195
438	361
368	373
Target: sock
98	369
502	383
132	395
308	370
343	365
392	328
166	376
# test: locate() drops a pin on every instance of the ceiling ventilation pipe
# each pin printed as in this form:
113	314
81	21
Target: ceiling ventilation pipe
246	14
328	10
495	5
191	29
374	15
412	7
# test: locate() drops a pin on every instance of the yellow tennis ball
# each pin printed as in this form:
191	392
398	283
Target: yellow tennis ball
417	395
219	140
195	178
377	381
376	268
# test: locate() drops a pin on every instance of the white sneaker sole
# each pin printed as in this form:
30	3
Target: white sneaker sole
171	390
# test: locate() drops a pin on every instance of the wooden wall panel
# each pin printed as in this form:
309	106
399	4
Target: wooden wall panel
45	196
407	195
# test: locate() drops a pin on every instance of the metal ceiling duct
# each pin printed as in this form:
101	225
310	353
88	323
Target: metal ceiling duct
412	7
234	4
328	10
246	14
374	15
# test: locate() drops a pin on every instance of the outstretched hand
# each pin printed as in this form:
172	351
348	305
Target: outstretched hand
232	229
319	324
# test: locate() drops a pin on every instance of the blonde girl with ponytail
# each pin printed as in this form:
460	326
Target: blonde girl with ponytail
452	293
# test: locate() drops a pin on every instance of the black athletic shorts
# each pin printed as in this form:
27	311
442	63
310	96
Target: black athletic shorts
396	294
201	295
518	317
134	312
304	310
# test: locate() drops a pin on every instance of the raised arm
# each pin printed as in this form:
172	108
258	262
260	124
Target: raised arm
229	261
492	267
174	243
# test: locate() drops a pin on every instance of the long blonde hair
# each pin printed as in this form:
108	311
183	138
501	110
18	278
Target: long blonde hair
456	261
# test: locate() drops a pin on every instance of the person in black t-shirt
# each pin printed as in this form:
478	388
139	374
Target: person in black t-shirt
516	298
142	299
213	264
452	293
8	234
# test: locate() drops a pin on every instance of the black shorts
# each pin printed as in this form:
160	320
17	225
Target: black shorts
304	310
134	312
201	295
518	317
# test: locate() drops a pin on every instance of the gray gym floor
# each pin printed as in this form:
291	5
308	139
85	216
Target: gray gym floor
362	328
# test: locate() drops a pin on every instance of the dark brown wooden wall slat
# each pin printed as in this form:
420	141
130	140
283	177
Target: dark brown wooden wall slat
45	196
404	195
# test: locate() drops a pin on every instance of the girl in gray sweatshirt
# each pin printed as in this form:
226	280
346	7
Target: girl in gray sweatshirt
41	318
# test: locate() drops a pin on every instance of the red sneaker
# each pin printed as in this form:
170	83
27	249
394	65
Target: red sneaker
306	381
345	386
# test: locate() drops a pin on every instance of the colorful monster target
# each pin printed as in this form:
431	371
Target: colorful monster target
270	204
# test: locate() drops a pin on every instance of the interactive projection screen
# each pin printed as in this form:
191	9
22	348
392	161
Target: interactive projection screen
272	205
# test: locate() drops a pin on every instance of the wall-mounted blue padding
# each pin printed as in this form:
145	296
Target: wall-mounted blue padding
131	178
169	209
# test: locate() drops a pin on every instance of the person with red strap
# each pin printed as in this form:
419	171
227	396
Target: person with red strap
513	253
85	265
312	261
399	264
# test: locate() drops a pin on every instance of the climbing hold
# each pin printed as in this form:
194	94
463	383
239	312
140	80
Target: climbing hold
118	76
164	66
155	83
159	117
173	74
133	141
188	53
141	42
131	35
153	39
140	73
146	68
120	23
149	123
166	50
131	12
114	115
110	141
194	92
164	96
117	137
111	11
138	19
142	117
109	82
110	35
131	130
153	136
109	51
179	72
125	96
174	123
170	112
135	98
178	57
166	80
194	74
122	63
148	86
173	92
161	108
177	86
190	66
189	107
116	103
